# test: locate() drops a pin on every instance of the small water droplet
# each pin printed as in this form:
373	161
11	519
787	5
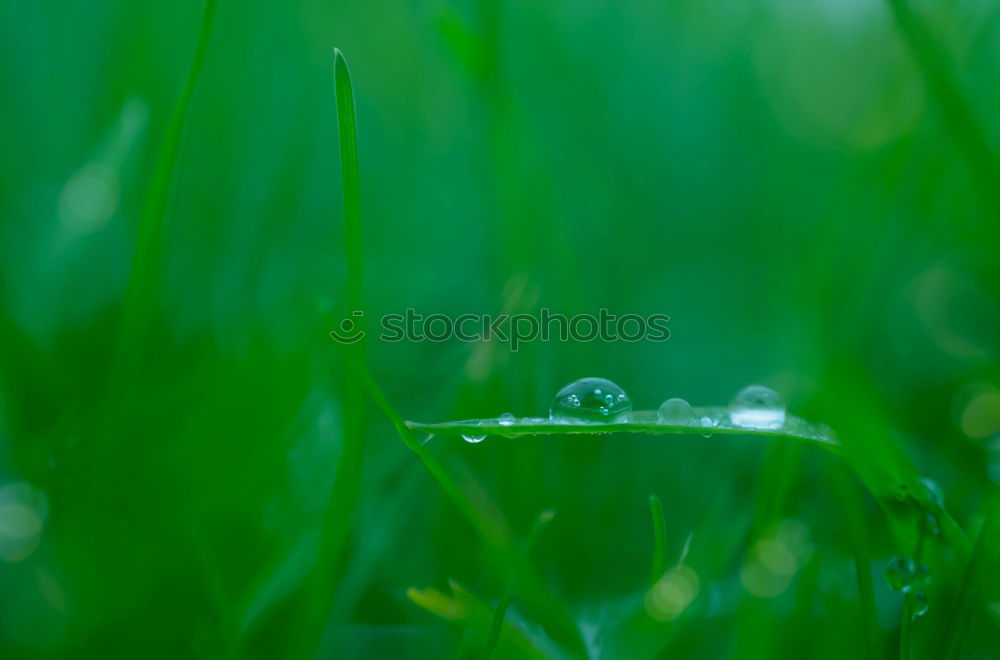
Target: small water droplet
473	438
676	412
506	419
918	605
757	407
590	400
929	524
934	492
904	575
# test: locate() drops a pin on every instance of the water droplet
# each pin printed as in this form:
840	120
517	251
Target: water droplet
904	575
757	407
473	438
918	605
590	400
676	412
929	524
506	419
934	492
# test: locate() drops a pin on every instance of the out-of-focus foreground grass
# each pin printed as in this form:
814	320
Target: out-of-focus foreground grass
809	189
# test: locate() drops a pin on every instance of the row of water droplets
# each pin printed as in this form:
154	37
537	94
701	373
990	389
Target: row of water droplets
600	401
906	574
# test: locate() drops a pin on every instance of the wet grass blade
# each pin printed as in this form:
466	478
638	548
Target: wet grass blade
640	422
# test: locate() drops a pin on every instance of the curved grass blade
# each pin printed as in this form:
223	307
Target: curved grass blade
645	421
142	294
537	600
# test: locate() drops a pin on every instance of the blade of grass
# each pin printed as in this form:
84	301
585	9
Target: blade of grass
961	122
538	600
644	421
496	535
978	585
347	479
142	294
541	524
850	503
659	539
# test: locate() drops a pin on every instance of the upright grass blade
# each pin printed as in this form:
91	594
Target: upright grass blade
142	293
659	539
347	479
351	179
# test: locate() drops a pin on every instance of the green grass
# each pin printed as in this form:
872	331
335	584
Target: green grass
807	193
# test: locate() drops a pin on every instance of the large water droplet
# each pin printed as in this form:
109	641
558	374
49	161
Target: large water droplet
473	438
590	400
676	412
757	407
506	419
905	575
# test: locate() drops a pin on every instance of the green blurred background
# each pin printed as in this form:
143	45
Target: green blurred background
808	189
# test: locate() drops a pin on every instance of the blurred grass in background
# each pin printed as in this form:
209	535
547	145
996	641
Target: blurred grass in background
808	189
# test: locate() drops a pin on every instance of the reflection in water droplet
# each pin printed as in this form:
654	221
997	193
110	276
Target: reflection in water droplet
676	412
590	400
506	419
918	605
904	575
473	438
757	407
